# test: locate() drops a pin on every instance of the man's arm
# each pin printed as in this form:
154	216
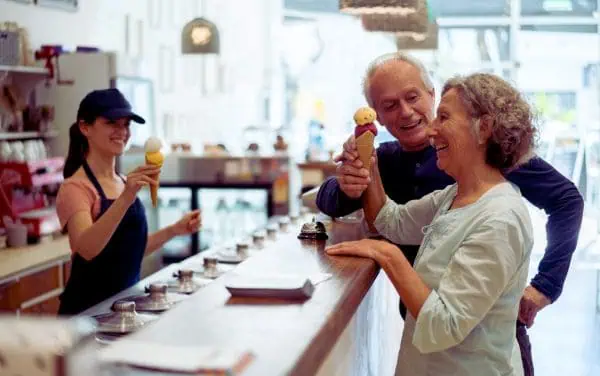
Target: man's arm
333	202
547	189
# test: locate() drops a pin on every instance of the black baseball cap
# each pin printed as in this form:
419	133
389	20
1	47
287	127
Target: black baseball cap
107	103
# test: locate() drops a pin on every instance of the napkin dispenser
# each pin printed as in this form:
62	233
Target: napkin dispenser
46	346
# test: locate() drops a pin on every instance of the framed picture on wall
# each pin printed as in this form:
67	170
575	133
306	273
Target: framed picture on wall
68	5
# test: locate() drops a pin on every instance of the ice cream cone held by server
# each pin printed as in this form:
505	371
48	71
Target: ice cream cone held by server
364	134
154	157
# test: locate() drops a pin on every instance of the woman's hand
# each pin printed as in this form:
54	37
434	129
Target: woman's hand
139	178
189	223
369	248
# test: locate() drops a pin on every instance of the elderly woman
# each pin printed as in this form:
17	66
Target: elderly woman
476	237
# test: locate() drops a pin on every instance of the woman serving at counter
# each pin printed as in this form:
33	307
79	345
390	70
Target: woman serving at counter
476	237
99	209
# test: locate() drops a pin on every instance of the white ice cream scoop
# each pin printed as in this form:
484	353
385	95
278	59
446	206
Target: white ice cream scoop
152	145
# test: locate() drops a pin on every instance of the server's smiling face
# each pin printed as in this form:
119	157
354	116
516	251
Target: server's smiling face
108	136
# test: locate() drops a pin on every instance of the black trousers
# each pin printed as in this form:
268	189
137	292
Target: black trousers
525	346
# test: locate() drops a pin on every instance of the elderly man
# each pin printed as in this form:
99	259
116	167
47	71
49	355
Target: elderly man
400	90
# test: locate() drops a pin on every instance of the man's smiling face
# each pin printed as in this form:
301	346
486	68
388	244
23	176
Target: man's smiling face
403	103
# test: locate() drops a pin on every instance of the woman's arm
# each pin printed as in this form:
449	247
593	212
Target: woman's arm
158	239
411	288
88	238
188	224
374	196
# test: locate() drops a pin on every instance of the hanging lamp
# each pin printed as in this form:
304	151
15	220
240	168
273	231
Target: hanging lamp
427	41
417	22
360	7
200	36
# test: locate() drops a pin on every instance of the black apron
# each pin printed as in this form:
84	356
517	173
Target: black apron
116	268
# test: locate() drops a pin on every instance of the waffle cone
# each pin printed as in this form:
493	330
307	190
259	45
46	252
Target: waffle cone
364	146
154	188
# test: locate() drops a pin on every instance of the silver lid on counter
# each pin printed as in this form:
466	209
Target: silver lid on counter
157	299
123	319
185	283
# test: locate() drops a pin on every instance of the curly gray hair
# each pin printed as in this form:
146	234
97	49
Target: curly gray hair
513	135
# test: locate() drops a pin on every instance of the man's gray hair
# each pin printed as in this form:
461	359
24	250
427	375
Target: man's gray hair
394	56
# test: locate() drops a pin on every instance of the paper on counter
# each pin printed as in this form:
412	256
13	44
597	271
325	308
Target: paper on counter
184	359
315	278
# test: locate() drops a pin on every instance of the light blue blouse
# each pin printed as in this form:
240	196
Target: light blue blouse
475	259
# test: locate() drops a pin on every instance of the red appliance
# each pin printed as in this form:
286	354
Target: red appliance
50	53
29	191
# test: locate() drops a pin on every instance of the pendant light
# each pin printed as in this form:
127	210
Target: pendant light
200	36
360	7
427	41
416	22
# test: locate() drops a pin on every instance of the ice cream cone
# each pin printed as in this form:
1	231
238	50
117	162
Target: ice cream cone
364	146
154	188
154	157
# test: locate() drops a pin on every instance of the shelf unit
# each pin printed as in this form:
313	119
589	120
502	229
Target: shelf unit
23	69
17	136
23	78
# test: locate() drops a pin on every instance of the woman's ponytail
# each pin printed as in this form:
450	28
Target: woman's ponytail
78	148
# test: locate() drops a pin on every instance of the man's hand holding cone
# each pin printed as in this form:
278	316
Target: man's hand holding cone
353	174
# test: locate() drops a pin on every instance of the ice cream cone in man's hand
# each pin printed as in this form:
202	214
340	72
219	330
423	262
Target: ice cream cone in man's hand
154	157
364	134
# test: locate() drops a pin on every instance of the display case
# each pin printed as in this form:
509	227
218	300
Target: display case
226	214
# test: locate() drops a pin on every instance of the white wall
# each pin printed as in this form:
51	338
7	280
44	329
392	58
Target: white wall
335	77
248	52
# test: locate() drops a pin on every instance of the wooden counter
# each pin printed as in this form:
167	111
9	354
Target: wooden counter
290	338
33	277
14	262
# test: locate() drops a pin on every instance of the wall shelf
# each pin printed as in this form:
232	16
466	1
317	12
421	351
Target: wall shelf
23	78
23	69
16	136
